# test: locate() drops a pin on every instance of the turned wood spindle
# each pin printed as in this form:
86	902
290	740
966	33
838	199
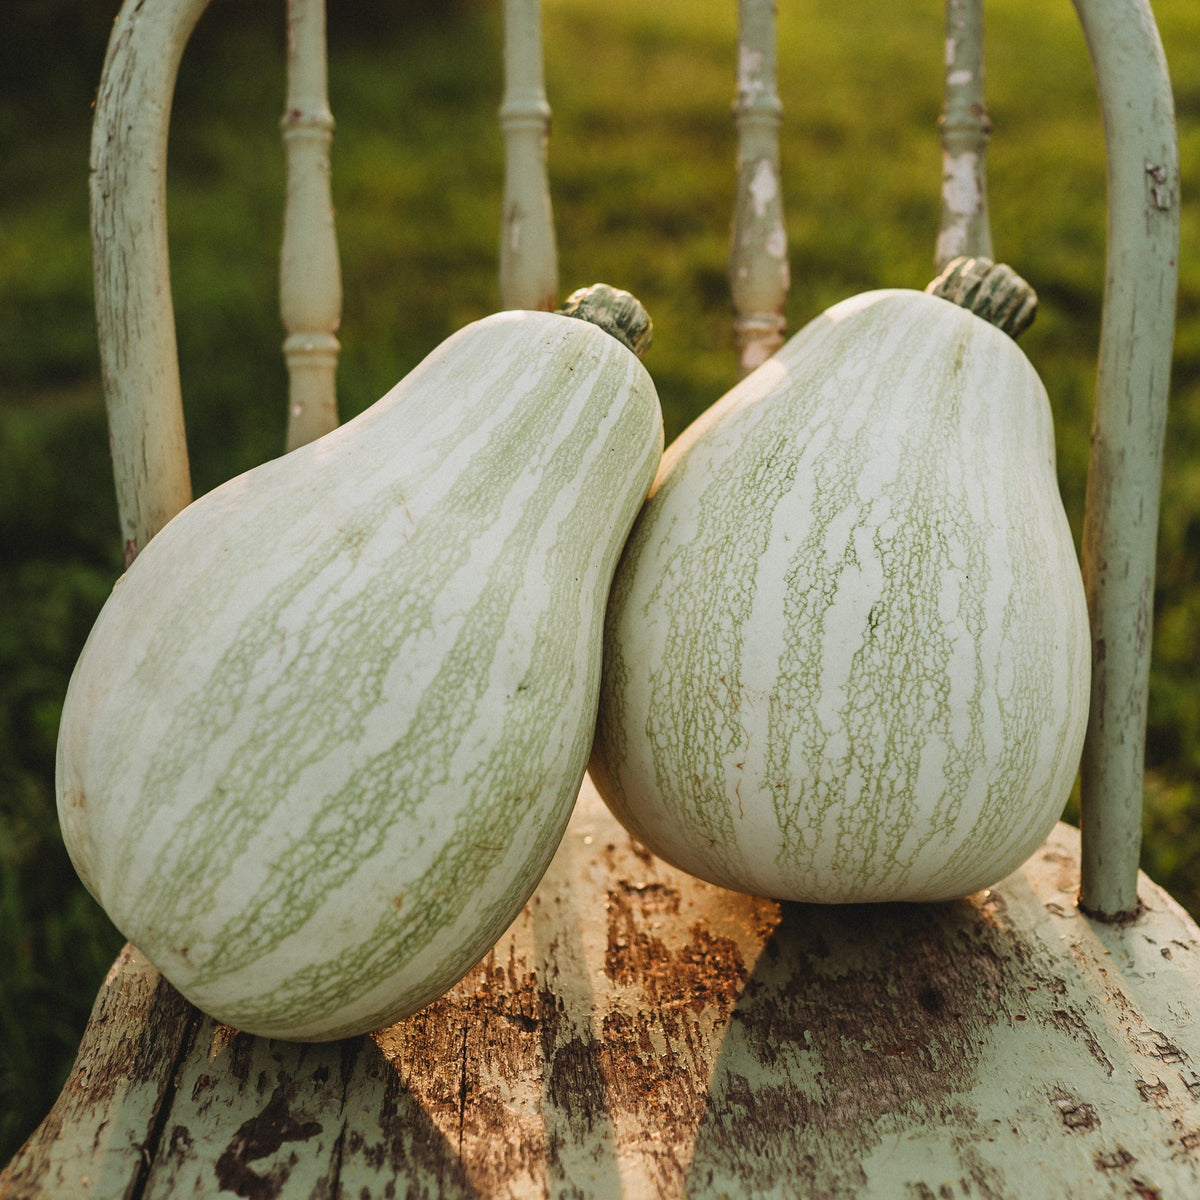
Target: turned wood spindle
310	282
528	255
759	274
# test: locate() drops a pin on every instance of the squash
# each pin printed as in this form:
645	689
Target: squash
326	733
846	651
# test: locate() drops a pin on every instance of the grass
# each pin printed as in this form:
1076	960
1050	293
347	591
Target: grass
642	163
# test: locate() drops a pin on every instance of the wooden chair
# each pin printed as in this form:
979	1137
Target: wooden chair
637	1032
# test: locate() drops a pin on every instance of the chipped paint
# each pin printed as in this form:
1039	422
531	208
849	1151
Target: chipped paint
961	192
1160	186
751	85
764	187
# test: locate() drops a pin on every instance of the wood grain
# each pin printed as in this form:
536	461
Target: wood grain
638	1033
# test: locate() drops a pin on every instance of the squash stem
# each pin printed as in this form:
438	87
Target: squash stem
616	312
990	290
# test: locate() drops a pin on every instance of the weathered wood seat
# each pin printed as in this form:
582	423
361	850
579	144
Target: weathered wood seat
637	1032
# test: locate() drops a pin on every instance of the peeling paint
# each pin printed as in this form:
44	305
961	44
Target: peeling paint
764	187
960	182
1160	189
751	85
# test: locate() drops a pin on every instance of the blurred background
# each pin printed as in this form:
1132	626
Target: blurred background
642	175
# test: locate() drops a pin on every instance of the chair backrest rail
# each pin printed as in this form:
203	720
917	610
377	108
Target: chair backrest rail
964	129
759	274
1125	468
528	252
310	283
138	359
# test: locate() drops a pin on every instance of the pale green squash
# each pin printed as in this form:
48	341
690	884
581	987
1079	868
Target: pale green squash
847	653
326	734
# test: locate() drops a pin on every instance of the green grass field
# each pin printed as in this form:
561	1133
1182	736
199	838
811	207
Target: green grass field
642	173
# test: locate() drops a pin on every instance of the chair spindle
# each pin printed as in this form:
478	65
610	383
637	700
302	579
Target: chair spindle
964	128
528	255
310	284
759	274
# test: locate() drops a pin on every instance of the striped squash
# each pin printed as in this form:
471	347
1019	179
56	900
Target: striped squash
325	735
846	652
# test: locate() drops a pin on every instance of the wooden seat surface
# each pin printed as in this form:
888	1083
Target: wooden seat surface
639	1033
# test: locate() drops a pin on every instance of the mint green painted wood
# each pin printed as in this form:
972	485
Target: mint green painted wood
528	254
129	248
964	129
758	268
637	1033
1125	470
310	285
